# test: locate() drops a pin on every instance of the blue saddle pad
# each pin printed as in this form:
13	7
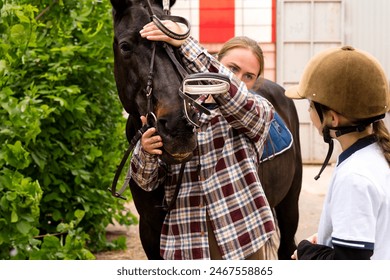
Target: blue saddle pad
279	139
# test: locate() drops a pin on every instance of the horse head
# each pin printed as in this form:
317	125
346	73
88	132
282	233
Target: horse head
136	67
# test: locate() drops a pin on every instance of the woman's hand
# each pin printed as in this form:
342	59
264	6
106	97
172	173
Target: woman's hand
313	238
151	142
151	32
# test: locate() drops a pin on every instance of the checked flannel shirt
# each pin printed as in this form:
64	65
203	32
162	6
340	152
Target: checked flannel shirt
226	186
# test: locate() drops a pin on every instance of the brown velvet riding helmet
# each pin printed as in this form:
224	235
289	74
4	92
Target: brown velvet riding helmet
349	81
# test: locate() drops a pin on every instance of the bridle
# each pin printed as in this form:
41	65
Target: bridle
193	85
150	116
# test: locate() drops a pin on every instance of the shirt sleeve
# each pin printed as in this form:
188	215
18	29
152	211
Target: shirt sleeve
146	170
309	251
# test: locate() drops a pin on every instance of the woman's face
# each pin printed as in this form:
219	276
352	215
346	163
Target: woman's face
244	64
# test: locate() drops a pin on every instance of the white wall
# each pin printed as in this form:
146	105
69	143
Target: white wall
305	27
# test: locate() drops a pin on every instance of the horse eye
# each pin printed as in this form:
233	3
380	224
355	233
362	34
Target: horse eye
125	48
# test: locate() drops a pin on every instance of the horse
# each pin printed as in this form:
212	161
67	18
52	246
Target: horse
139	66
281	176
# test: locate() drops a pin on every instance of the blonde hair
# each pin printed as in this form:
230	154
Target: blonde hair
243	42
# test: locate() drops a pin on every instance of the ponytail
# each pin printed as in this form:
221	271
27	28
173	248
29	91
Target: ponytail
383	137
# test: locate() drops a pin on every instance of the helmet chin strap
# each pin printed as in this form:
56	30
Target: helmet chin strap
327	139
341	130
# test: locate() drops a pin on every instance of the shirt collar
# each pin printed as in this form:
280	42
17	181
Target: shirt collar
358	145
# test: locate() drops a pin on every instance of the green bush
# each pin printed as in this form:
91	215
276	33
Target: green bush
61	129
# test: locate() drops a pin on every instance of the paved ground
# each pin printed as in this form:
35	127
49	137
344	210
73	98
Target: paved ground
310	204
311	199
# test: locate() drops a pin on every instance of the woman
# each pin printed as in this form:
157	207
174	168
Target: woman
221	211
349	95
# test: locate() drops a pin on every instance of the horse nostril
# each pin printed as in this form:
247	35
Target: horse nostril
173	125
162	123
168	126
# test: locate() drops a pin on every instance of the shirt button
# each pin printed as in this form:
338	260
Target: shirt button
202	233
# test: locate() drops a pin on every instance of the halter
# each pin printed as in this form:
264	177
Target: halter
193	85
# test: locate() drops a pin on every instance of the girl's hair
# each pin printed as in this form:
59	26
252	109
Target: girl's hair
243	42
383	136
380	130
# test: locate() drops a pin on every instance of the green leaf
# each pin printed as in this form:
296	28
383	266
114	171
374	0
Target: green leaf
11	196
18	34
17	156
52	197
14	217
4	203
51	242
62	227
79	214
22	17
23	227
39	159
63	147
3	66
57	215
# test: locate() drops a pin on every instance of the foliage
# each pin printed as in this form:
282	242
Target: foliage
61	129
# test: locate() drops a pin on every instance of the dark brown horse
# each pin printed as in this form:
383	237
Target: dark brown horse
281	176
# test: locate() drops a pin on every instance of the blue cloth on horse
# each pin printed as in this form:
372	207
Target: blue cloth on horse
279	139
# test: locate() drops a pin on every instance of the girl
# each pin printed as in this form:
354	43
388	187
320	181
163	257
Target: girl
348	94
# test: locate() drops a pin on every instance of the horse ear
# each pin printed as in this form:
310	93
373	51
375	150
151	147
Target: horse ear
172	2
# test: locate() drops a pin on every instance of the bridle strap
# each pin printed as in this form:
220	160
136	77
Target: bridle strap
169	32
118	172
167	16
180	69
150	116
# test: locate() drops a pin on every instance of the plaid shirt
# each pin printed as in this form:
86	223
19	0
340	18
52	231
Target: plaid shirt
226	186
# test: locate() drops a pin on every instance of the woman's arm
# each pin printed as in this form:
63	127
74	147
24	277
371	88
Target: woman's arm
246	112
